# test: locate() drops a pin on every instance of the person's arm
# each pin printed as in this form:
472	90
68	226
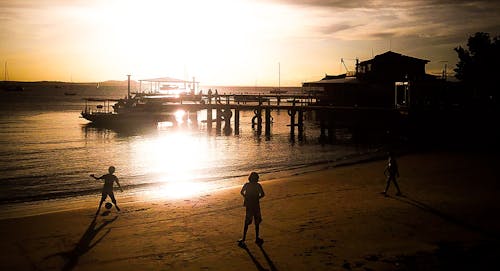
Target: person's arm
118	183
93	176
261	194
243	190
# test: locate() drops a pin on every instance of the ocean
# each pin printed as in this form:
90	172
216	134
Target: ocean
47	151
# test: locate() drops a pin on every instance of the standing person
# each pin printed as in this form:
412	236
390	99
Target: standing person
252	192
392	171
107	189
209	95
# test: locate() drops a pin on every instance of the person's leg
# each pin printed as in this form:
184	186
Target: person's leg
387	184
258	220
396	184
248	221
245	229
112	196
103	198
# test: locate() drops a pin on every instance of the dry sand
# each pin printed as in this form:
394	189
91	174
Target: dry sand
334	219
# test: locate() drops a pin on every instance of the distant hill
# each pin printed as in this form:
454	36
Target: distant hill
115	83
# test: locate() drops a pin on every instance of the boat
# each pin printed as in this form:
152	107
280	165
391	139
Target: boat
278	90
144	106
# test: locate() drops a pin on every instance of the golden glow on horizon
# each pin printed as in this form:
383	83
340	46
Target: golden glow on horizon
225	42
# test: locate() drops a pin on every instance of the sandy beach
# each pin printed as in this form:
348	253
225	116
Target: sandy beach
332	219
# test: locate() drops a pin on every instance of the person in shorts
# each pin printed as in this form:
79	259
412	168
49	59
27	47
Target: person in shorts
252	192
107	189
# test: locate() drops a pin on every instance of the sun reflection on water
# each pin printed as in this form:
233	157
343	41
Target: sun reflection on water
174	160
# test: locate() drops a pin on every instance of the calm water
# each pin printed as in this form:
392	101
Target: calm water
47	152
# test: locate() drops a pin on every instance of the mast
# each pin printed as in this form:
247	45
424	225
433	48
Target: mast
279	75
5	72
128	86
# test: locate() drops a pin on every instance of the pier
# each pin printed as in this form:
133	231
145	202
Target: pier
223	111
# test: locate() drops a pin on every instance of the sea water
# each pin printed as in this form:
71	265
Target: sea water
47	151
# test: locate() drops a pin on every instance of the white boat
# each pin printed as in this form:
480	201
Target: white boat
144	106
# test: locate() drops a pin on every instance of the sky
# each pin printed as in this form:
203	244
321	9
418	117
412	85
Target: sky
229	42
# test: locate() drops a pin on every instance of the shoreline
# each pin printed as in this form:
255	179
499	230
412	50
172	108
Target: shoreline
61	204
332	219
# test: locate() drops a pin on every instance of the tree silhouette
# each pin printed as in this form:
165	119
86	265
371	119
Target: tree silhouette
478	66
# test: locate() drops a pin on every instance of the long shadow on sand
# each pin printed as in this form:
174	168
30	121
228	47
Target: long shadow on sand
257	263
84	244
447	217
254	260
268	259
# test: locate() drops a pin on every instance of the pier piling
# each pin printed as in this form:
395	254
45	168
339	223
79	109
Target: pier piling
209	118
236	121
300	125
268	122
292	113
218	120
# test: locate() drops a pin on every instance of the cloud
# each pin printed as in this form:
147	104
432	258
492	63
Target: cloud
368	20
335	28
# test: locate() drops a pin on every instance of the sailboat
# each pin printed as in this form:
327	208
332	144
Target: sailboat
278	90
6	86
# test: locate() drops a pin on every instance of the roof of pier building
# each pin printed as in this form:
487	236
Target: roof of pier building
388	67
392	67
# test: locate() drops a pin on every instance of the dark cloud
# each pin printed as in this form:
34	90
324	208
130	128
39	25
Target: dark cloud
334	28
328	3
374	4
382	35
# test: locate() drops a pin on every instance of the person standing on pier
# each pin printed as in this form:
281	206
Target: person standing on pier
209	96
392	171
107	189
252	191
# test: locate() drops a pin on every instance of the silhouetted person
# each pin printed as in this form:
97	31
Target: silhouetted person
209	95
252	192
391	171
107	189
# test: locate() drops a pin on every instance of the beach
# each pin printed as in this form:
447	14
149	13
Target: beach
329	219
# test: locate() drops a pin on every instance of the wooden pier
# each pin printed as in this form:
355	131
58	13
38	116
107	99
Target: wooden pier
225	109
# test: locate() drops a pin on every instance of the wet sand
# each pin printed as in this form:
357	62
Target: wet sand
333	219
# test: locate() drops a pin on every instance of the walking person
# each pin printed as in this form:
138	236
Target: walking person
392	171
252	192
107	189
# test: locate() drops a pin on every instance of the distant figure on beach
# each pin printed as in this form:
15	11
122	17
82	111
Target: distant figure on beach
392	171
107	189
252	192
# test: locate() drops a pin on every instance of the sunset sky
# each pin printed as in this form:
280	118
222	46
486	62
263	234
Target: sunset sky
228	42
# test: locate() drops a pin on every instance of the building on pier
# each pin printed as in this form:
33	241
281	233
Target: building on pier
383	81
